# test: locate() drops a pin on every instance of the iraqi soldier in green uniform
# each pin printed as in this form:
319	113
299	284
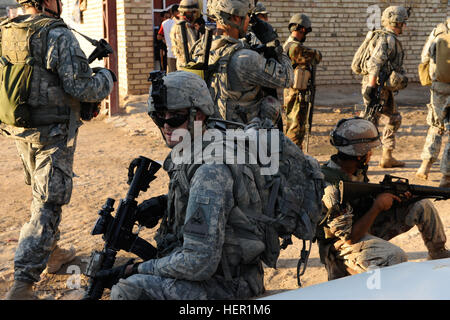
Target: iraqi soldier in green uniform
60	81
302	58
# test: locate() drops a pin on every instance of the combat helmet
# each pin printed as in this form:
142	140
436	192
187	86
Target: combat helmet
193	6
33	2
222	10
179	90
393	15
299	20
355	136
260	9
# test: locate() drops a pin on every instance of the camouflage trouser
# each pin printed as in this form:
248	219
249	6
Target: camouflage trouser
374	249
151	287
392	120
439	121
49	171
296	111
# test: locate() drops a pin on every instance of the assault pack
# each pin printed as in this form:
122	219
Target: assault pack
362	55
287	200
17	63
443	54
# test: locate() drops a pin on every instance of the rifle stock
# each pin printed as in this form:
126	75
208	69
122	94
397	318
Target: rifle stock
353	190
118	230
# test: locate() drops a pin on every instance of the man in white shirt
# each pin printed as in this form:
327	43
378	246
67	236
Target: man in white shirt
166	26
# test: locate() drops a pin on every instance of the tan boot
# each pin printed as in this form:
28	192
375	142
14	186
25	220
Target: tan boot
59	257
440	253
21	291
424	169
388	161
445	182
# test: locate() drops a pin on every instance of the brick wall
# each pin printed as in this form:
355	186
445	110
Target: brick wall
339	27
134	35
135	42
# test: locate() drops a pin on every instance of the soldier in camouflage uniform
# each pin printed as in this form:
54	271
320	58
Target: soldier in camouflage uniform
47	148
438	113
302	58
387	55
189	12
199	254
354	236
237	83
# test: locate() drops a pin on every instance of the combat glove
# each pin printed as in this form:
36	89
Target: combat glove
110	277
150	211
370	93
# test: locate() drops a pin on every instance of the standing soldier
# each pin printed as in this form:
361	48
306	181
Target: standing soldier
437	56
302	58
386	56
60	80
189	12
237	84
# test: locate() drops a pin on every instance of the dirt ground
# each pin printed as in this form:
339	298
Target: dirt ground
105	148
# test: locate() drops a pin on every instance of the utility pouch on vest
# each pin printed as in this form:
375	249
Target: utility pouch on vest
15	81
301	78
424	74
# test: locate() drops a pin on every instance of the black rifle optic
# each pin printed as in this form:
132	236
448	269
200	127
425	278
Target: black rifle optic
395	185
117	231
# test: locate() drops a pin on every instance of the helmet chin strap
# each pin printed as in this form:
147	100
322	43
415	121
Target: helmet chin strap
53	13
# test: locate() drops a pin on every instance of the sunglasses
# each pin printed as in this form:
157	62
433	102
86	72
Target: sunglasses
174	122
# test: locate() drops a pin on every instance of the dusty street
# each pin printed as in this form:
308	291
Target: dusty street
105	148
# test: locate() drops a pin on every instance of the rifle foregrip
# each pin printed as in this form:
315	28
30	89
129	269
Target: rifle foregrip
143	249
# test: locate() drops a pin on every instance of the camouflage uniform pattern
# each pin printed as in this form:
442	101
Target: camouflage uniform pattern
46	156
387	48
236	87
295	105
438	111
177	42
374	249
196	246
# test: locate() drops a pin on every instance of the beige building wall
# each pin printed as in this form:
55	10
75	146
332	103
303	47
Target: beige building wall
134	35
339	27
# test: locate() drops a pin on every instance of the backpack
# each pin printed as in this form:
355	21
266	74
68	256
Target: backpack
443	55
17	63
289	197
363	53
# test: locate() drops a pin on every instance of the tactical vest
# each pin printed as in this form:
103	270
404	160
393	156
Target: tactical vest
239	106
35	89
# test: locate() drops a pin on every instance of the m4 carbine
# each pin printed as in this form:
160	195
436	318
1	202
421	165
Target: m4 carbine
395	185
376	105
118	230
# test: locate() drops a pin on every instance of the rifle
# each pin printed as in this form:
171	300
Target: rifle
102	48
184	39
395	185
376	104
118	230
310	96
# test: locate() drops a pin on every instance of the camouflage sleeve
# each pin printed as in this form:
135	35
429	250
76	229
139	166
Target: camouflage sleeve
304	56
379	56
65	57
425	56
210	201
252	68
339	222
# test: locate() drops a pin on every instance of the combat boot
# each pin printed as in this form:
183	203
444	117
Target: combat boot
424	169
388	161
445	182
59	257
439	253
21	291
